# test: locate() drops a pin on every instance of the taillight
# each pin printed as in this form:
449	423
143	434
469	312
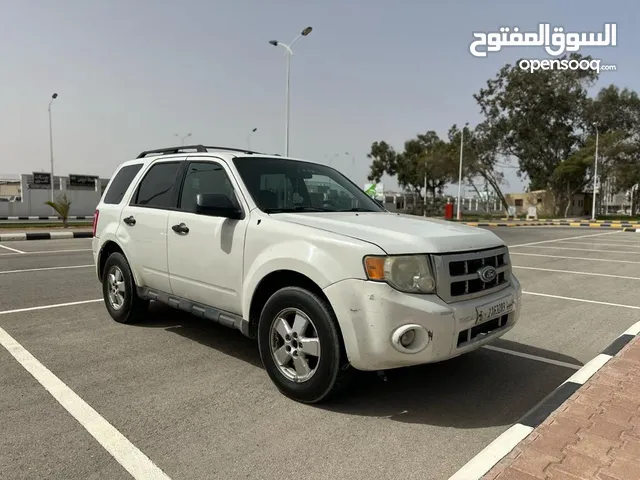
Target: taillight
95	221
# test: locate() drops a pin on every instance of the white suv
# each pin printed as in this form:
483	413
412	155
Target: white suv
294	254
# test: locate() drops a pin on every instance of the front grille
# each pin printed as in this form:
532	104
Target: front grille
458	274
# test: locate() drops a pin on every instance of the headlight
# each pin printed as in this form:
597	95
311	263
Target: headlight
406	273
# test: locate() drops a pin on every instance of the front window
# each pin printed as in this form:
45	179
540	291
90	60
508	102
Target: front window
280	185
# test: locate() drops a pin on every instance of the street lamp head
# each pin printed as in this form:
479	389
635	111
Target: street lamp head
273	42
54	96
306	31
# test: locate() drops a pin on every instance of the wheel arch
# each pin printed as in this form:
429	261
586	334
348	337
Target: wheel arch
275	281
106	250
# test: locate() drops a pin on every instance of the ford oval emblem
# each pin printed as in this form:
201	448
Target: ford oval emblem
487	274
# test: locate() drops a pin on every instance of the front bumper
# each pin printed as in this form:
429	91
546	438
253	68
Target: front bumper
372	315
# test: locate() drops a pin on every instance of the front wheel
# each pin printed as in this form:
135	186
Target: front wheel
300	346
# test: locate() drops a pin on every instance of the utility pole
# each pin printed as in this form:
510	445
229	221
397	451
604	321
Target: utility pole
289	54
425	187
53	97
458	215
595	176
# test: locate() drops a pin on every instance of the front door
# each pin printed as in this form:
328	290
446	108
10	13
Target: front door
206	263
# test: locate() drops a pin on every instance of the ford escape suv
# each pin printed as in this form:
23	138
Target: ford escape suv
292	253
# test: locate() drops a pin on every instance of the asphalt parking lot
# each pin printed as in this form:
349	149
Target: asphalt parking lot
192	398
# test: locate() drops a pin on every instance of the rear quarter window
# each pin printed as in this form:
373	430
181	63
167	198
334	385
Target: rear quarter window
120	183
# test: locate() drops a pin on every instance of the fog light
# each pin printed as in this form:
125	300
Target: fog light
407	338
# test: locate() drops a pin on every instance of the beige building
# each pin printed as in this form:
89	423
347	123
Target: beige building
9	189
543	201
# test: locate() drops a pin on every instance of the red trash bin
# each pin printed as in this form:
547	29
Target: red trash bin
448	211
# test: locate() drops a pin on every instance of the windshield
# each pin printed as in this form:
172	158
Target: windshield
280	185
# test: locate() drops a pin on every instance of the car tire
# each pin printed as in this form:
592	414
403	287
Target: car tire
329	371
127	307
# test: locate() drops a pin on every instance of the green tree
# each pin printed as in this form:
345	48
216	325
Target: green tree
62	205
616	112
576	173
480	156
539	118
425	153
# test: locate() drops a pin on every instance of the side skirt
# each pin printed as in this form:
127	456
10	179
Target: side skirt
199	310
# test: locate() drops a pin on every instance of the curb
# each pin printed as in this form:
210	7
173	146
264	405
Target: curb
569	220
45	217
625	226
636	230
491	455
53	217
6	237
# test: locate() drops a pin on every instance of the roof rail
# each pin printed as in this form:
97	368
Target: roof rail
231	149
198	148
171	150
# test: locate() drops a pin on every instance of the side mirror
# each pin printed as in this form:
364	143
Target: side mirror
217	205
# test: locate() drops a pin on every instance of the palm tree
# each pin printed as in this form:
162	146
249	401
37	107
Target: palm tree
62	206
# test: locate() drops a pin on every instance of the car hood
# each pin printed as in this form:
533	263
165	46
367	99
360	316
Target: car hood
398	233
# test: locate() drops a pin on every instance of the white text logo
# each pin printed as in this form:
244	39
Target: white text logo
564	64
554	40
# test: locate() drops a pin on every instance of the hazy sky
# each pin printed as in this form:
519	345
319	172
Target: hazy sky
132	74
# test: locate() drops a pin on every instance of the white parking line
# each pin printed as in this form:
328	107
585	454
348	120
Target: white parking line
582	249
572	258
608	244
11	249
562	239
533	357
46	307
49	251
67	267
121	449
573	272
634	307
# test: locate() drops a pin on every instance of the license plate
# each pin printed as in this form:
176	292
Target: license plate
495	309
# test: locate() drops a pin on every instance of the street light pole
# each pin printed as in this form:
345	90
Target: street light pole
289	54
595	175
249	138
425	188
460	175
53	97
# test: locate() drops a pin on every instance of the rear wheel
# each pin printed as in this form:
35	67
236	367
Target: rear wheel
119	291
301	347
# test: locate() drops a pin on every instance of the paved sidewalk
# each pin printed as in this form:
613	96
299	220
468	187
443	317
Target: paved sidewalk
593	435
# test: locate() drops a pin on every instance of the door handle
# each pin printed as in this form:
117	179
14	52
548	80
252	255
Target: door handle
130	220
181	228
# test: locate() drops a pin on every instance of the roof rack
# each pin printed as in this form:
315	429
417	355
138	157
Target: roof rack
197	148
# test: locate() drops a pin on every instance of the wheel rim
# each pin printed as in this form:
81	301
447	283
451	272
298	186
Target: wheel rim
294	344
116	288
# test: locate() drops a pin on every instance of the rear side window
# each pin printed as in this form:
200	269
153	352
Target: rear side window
120	183
157	187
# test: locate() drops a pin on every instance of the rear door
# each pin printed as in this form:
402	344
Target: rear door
143	223
206	263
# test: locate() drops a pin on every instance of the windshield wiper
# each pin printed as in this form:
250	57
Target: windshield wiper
297	208
357	209
306	208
